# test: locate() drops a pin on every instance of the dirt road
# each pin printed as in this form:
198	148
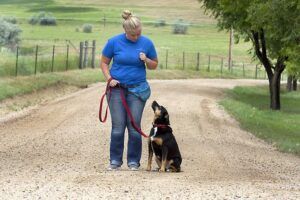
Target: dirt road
60	151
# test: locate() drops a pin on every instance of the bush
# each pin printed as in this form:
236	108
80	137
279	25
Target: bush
43	18
160	22
9	34
43	14
48	21
87	28
33	20
180	27
10	19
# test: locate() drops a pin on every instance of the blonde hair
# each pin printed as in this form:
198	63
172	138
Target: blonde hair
131	22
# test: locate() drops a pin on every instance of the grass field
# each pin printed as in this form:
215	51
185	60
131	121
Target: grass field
250	106
203	35
10	87
94	10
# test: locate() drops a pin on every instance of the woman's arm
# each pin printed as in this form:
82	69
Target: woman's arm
104	65
151	64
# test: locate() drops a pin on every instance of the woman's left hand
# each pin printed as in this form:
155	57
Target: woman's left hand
143	57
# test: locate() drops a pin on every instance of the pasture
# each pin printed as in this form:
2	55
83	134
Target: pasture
202	37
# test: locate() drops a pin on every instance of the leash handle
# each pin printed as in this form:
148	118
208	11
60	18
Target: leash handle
139	130
108	89
101	102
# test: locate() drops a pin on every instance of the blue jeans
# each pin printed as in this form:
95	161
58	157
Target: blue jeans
120	120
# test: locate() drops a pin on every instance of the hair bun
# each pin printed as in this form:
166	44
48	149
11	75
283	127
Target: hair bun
126	14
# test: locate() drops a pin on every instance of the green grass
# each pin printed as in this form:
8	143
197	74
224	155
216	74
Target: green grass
203	35
204	39
250	106
10	87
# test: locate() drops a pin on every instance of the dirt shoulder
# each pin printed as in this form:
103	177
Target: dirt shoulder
59	150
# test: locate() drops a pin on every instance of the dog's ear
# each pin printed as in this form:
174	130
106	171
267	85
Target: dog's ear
154	105
167	119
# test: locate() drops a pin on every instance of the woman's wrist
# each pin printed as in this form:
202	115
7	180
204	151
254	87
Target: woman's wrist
147	60
108	77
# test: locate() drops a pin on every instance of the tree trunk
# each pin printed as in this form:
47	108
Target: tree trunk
289	83
274	85
295	84
273	72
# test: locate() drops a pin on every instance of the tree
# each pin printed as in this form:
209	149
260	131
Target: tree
293	69
9	34
273	27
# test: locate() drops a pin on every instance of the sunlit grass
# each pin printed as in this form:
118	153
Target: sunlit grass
250	106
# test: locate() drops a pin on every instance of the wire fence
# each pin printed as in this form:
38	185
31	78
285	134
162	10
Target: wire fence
183	60
42	59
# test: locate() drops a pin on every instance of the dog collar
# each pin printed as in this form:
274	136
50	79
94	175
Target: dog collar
160	125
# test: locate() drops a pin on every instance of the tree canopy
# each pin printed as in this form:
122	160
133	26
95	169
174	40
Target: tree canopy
273	26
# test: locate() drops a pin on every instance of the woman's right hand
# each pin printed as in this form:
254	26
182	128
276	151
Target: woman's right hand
113	83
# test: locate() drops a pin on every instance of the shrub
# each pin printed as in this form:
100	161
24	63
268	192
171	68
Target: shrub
42	14
180	27
10	19
48	21
33	20
9	34
160	22
87	28
43	18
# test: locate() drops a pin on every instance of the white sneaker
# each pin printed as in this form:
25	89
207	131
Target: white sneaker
113	167
133	168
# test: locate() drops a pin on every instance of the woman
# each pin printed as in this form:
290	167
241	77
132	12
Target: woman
130	52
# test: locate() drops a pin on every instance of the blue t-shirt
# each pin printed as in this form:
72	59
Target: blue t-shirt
127	67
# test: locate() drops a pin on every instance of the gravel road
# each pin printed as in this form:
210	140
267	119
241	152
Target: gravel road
59	150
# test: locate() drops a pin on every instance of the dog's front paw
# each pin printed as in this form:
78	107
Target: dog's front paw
148	168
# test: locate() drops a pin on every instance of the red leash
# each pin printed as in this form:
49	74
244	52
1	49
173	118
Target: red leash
108	89
101	102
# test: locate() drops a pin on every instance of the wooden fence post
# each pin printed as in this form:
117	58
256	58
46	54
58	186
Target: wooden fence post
222	63
208	67
256	71
36	58
53	54
85	58
244	70
80	55
93	53
17	59
198	61
67	60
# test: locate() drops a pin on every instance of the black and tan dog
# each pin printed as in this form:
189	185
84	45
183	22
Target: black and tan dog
162	142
